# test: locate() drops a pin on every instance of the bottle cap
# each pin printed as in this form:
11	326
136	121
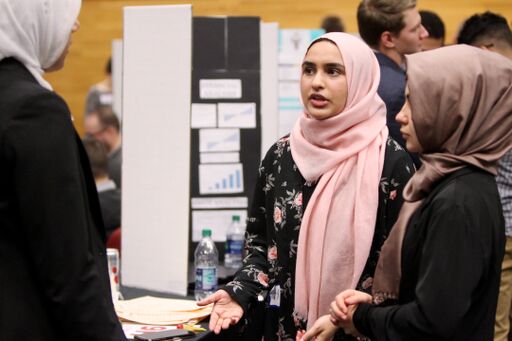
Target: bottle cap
235	218
207	233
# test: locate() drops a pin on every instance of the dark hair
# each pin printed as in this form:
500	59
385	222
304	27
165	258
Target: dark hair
433	24
108	66
333	23
374	17
107	117
485	28
98	156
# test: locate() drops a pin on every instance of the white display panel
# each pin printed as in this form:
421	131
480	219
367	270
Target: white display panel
156	147
269	33
117	77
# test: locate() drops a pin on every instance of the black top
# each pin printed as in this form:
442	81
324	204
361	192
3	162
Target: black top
110	203
115	159
54	281
451	265
273	225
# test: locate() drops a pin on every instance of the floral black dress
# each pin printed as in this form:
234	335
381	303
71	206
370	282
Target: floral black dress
264	286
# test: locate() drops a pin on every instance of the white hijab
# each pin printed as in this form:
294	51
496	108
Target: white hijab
36	32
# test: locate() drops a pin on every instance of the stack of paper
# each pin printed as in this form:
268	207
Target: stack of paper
160	311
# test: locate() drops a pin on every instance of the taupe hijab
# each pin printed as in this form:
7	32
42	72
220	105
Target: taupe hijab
461	103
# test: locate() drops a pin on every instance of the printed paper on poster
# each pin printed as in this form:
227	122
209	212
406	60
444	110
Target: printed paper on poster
203	115
237	115
219	140
221	178
216	220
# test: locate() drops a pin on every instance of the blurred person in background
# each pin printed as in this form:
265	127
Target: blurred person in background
100	94
333	23
435	28
103	125
109	194
489	31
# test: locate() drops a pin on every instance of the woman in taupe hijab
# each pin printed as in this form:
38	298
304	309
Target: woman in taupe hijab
439	271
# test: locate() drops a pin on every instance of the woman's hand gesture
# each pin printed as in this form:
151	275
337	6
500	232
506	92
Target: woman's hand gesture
226	312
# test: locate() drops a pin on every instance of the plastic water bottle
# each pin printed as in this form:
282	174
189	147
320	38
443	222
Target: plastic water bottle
206	260
234	244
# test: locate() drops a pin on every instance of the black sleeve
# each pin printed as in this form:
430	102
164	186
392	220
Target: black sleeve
402	170
453	262
55	221
252	279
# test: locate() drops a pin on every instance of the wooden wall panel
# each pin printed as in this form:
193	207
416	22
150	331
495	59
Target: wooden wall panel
101	21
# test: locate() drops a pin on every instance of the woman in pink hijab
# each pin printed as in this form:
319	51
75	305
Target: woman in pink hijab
325	201
439	271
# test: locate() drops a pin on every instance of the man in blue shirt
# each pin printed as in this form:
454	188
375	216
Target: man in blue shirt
393	29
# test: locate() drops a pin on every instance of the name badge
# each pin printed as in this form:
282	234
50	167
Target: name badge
275	296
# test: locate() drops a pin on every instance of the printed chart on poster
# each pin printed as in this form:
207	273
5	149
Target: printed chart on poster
219	140
240	115
223	178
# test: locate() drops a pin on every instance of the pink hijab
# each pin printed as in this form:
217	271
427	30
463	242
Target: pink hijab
461	104
345	153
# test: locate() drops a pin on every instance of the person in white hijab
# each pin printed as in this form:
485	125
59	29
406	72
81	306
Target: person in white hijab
37	33
54	281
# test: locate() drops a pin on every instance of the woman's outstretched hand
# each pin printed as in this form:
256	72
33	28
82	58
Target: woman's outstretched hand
226	312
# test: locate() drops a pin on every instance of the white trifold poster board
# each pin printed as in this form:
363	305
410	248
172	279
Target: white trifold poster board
269	34
117	77
156	147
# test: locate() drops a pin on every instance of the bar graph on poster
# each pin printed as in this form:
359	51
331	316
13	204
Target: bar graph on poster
221	178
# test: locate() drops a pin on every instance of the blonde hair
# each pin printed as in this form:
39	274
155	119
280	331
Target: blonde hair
377	16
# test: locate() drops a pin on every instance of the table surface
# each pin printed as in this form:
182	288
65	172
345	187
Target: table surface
224	276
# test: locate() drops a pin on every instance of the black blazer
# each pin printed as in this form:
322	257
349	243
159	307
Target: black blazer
53	271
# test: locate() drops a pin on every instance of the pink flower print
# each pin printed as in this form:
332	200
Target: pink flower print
278	215
298	199
263	279
296	320
392	195
367	283
272	253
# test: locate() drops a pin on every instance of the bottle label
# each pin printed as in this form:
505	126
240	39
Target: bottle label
206	279
234	247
